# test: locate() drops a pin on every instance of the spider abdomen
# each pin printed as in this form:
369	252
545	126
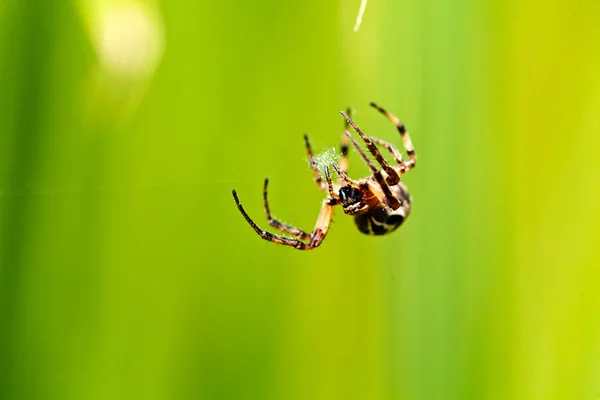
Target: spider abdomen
380	221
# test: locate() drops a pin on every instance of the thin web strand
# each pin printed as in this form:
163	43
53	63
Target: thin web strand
359	17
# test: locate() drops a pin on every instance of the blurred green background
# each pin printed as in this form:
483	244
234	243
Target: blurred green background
127	272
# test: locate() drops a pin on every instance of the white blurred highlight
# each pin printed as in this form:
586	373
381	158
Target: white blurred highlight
128	37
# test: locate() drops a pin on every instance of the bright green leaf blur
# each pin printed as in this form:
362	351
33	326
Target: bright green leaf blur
126	271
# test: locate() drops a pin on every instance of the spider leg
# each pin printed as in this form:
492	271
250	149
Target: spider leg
277	224
330	184
408	146
343	176
360	151
393	178
316	237
392	149
344	146
392	201
313	165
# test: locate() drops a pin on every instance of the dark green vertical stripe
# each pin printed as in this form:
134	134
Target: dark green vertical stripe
28	41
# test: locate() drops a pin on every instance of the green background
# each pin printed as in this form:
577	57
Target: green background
126	270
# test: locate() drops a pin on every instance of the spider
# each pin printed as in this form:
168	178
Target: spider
379	203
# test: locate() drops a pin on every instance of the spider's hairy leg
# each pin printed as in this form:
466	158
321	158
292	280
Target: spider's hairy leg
344	146
264	234
316	237
279	225
393	178
408	146
360	151
392	201
344	177
392	149
313	164
323	223
330	184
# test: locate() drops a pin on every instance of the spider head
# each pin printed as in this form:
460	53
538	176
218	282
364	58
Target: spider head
351	199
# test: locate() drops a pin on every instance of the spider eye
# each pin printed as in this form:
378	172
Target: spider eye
349	195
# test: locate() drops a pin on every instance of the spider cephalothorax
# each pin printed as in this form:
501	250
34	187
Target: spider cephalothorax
351	200
379	203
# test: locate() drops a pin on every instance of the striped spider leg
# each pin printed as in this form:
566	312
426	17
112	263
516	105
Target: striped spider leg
314	239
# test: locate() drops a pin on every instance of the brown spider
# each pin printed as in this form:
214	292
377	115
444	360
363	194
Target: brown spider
379	203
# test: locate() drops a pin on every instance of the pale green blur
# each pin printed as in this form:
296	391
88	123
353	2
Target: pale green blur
127	272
